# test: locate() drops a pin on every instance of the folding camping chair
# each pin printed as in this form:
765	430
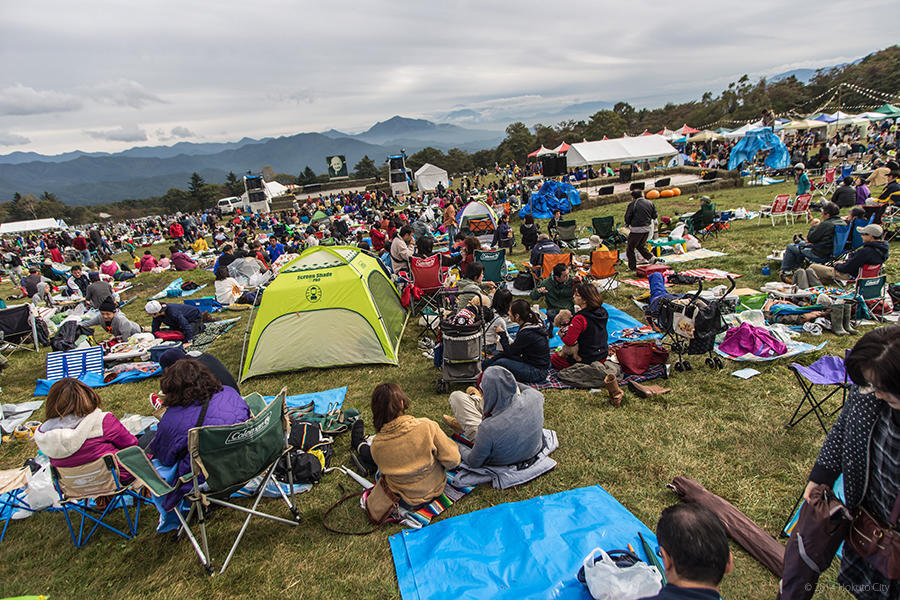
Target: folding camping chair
825	187
828	371
494	262
800	207
479	226
548	261
79	486
603	266
426	275
75	363
871	288
723	222
839	245
18	329
605	229
12	495
855	236
778	208
567	233
228	457
702	222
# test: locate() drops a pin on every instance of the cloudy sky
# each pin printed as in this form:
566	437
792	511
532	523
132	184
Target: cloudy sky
105	76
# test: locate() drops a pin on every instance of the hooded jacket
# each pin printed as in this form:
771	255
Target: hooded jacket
148	263
870	253
512	429
821	236
531	346
72	441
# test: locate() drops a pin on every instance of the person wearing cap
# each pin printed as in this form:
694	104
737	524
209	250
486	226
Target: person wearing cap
803	184
177	317
98	290
113	321
874	251
892	187
222	374
819	242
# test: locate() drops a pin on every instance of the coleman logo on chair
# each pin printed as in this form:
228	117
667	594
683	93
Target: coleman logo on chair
249	433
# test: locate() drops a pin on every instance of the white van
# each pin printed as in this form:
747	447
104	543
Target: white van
228	205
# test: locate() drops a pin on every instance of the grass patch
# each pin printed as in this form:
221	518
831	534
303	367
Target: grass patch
727	433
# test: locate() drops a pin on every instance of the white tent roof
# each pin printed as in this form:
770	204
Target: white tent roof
545	151
643	147
276	189
32	225
742	130
428	176
872	116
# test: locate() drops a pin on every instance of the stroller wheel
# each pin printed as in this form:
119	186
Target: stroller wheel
687	366
679	366
710	362
438	386
719	363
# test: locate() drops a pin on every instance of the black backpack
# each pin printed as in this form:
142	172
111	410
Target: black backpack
68	332
524	282
305	466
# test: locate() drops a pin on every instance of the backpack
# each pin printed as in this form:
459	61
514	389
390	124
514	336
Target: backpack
310	456
524	282
68	332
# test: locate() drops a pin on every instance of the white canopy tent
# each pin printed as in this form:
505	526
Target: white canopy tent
429	176
644	147
32	225
872	116
742	130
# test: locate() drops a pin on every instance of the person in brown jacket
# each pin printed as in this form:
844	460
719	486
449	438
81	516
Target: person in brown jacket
412	454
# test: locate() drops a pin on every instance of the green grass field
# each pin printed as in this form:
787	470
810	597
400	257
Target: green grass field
725	432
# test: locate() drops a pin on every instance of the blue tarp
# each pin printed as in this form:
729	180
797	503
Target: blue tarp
528	549
552	196
760	140
323	400
95	380
617	323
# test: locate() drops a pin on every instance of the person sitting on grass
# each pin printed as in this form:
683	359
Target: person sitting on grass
113	321
505	420
695	554
148	262
98	290
557	291
184	318
193	397
77	283
229	291
528	357
181	261
412	454
76	430
818	245
587	328
111	268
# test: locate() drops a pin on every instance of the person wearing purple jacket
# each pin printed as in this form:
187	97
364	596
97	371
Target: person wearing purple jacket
193	397
76	431
181	261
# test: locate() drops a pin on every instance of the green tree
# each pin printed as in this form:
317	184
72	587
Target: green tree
518	143
458	161
307	176
233	185
605	123
365	168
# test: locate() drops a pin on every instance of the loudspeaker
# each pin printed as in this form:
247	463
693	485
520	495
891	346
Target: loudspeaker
396	163
624	174
553	166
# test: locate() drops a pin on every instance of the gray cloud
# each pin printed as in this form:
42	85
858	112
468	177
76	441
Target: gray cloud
8	138
22	100
129	133
182	132
122	92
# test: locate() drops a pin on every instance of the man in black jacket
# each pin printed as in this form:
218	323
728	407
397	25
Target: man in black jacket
845	195
819	242
874	251
639	218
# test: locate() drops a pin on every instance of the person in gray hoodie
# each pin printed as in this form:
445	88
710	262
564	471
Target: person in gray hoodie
512	420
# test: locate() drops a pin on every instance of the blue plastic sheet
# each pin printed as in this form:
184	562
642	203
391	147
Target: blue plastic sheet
760	140
552	196
529	549
94	380
333	398
617	323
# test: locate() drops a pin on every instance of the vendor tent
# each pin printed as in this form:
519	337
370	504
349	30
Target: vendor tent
824	118
562	148
872	116
706	136
32	225
667	133
686	130
889	110
536	152
429	176
804	124
644	147
742	130
332	305
760	140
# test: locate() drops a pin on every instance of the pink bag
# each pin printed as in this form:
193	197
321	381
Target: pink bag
747	339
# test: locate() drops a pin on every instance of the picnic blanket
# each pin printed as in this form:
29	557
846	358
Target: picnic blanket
706	274
94	380
692	255
173	290
620	327
204	340
323	401
553	383
529	549
505	477
453	492
793	349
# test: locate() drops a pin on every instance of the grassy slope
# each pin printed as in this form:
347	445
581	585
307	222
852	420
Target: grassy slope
727	433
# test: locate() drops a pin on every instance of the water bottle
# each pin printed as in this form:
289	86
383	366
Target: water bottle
766	271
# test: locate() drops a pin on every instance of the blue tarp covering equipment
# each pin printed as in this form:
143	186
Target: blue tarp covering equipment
760	140
552	196
529	549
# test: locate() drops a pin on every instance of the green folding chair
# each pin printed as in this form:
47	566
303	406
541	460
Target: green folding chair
494	262
605	229
567	233
227	457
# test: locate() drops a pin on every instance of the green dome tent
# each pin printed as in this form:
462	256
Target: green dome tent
330	306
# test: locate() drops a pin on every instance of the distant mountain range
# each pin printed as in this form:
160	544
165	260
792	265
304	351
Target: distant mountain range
85	178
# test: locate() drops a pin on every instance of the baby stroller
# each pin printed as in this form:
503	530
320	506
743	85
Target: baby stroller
463	344
691	325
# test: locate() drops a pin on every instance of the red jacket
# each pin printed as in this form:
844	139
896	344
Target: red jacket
378	239
176	230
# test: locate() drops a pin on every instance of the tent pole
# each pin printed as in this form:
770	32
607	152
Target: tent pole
247	333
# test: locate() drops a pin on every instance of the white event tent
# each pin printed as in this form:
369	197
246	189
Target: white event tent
644	147
32	225
429	176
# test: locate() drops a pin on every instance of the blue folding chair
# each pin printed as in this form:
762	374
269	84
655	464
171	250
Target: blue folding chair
855	236
80	487
839	245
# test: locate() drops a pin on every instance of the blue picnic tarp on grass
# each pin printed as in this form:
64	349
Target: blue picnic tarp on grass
94	380
618	322
529	549
333	398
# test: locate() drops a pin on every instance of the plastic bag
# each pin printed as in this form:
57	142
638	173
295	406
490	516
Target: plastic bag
606	581
40	493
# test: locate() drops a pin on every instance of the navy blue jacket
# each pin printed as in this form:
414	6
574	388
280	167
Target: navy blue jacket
180	317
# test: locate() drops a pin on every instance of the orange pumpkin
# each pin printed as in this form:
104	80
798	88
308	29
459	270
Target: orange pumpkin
666	194
652	194
676	191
